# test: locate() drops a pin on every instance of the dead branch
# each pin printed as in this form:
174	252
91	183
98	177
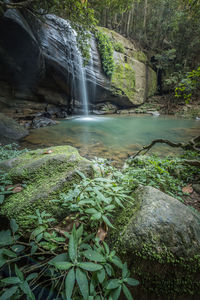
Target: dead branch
193	144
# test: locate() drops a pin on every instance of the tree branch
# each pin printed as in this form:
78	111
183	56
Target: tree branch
193	144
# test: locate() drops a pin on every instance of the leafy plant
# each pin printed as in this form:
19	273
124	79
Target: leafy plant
188	86
118	47
85	270
106	52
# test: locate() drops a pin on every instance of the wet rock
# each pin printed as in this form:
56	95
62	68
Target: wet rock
42	122
10	130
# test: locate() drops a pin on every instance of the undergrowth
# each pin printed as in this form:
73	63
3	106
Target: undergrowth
71	260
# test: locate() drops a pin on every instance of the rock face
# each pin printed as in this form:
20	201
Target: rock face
39	62
10	130
46	173
133	80
160	237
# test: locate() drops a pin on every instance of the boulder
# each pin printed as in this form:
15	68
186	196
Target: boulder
45	173
10	130
160	238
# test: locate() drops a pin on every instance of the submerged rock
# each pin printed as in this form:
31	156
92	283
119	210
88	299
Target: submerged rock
45	173
42	122
10	130
160	237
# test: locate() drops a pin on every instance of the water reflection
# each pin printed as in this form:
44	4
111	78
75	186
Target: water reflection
114	137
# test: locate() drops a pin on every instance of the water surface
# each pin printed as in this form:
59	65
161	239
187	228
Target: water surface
114	137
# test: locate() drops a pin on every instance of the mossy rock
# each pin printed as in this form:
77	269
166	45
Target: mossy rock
45	174
160	239
132	80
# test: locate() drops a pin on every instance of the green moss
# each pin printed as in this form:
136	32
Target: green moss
139	55
158	272
44	176
124	79
152	82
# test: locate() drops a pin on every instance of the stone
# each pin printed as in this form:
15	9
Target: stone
10	130
45	176
42	122
160	238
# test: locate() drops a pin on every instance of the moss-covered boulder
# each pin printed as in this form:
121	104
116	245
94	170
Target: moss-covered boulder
160	238
132	80
43	173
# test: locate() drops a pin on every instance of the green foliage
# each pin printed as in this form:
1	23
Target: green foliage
87	269
118	47
106	52
10	151
189	85
169	175
95	200
76	264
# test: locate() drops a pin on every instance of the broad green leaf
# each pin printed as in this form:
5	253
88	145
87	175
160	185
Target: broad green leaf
58	258
9	253
91	211
113	284
127	292
34	249
72	248
5	238
14	226
82	281
101	275
31	276
2	197
79	232
69	283
109	269
94	256
3	260
11	280
132	281
116	293
26	289
19	273
89	266
96	216
9	293
17	248
124	270
62	265
117	262
37	231
107	222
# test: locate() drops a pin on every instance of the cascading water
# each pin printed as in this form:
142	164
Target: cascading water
71	57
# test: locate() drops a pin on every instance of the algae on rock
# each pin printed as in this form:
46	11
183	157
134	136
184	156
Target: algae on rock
133	79
160	237
44	177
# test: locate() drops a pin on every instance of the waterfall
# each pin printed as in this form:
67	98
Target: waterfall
70	57
82	86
